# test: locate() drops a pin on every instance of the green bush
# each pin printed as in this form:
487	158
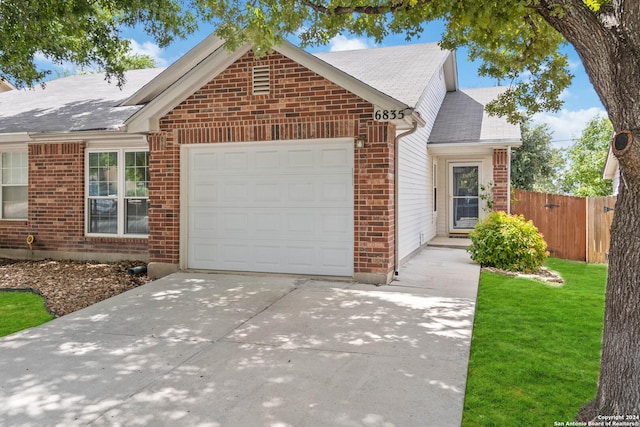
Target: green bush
508	242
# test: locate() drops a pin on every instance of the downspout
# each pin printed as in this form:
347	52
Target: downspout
396	211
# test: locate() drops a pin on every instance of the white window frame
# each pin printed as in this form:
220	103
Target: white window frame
3	185
120	197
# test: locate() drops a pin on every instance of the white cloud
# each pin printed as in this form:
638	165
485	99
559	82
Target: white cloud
149	49
341	42
574	65
567	125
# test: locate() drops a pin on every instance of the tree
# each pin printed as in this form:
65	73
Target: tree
586	161
535	164
517	41
130	62
83	32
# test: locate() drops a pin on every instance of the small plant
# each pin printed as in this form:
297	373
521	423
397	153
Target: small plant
508	242
486	194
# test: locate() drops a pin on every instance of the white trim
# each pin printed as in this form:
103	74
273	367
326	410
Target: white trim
184	180
175	71
3	186
469	148
13	138
147	118
450	166
88	137
120	197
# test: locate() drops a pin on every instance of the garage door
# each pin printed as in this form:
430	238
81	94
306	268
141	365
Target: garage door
271	207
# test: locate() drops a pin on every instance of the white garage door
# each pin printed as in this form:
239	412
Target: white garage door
271	207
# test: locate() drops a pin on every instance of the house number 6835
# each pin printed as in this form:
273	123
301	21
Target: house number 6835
386	115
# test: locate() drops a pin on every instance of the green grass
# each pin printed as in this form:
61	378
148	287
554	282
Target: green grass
21	310
535	351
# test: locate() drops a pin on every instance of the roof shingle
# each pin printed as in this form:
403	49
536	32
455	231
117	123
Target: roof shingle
462	118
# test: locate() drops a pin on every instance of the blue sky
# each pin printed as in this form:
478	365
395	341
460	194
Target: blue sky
581	101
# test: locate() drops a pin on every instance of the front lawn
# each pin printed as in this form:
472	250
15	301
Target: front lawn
535	351
21	310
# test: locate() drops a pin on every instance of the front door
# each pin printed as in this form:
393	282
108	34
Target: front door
464	185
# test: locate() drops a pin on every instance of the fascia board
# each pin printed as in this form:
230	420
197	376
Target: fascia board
469	146
6	86
146	119
444	64
450	68
17	137
106	136
176	70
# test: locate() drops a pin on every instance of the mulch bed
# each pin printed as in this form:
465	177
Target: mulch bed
68	286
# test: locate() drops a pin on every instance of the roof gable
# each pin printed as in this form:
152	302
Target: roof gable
211	58
88	102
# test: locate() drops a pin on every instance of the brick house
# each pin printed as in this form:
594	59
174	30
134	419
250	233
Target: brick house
340	163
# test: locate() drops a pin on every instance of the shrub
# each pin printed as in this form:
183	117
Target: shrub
508	242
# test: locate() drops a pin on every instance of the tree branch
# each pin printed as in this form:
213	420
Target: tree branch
382	9
597	46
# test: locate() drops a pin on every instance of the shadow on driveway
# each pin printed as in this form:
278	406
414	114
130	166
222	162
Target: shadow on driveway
233	350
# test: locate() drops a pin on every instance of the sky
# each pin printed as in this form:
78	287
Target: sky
581	102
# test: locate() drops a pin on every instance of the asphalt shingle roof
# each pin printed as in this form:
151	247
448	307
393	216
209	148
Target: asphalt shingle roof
74	103
462	118
401	72
88	102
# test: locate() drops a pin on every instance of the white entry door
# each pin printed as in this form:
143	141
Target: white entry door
271	207
464	199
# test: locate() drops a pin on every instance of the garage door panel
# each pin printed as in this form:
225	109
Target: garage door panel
202	224
234	191
235	161
205	192
268	159
339	157
234	254
272	208
268	192
334	223
204	163
322	225
335	192
307	190
300	192
267	257
267	223
300	257
235	223
205	254
300	158
334	257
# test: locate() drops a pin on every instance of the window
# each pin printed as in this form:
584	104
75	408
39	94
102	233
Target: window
13	191
118	192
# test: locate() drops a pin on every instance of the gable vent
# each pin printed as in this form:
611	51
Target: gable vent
261	80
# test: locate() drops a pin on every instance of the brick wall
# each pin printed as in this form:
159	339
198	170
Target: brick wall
57	206
164	198
500	179
374	196
300	105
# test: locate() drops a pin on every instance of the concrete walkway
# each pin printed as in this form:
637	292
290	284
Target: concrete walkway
232	350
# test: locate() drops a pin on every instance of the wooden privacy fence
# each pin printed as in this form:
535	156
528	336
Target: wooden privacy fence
574	228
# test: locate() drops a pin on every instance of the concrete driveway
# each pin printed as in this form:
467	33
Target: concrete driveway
234	350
